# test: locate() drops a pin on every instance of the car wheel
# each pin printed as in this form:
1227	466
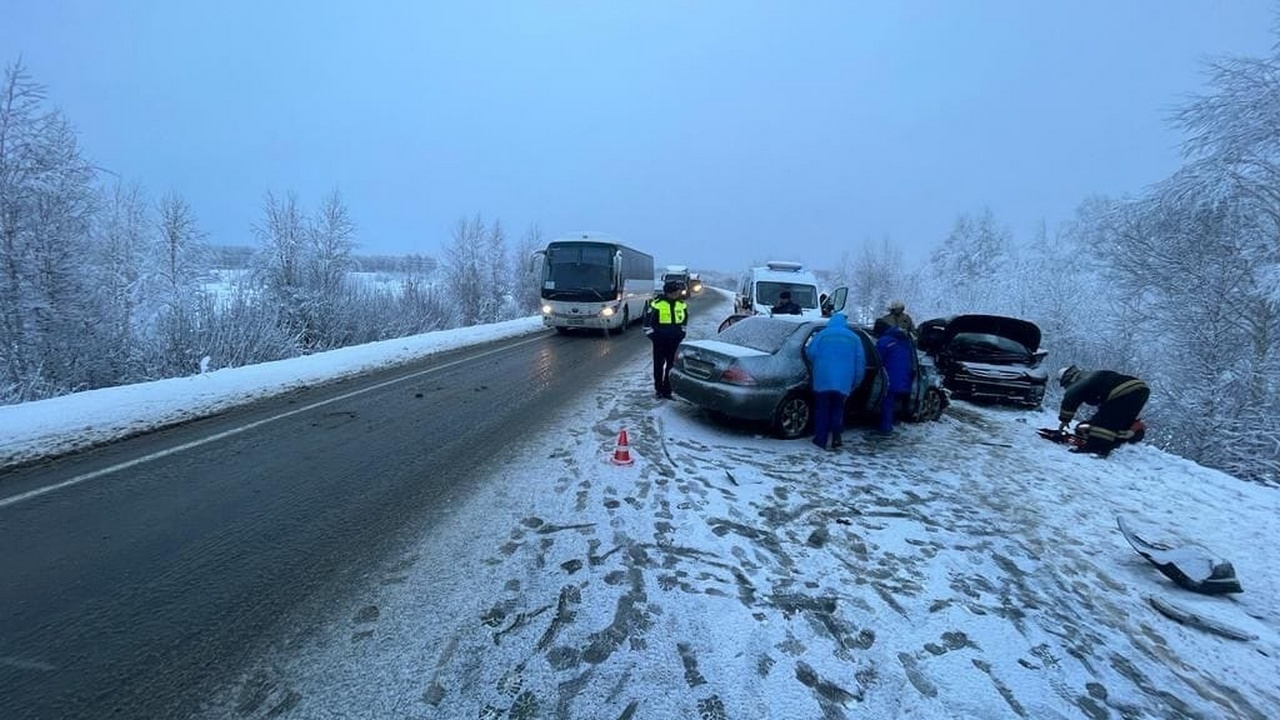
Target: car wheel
793	416
562	330
931	406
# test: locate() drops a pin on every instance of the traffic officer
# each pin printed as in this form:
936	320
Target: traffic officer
664	322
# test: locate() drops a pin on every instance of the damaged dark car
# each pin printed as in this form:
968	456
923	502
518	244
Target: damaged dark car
988	358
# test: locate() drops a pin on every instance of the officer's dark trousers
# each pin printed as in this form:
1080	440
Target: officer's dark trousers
664	356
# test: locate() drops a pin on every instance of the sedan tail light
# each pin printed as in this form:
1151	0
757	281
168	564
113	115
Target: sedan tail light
735	375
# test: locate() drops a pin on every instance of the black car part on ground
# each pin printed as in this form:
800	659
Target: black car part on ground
1191	568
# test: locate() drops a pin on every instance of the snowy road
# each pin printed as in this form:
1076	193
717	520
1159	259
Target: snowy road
961	569
126	591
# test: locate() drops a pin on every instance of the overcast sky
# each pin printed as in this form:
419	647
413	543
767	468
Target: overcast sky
710	133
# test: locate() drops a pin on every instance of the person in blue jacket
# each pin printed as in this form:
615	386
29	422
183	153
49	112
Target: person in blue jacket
838	366
895	351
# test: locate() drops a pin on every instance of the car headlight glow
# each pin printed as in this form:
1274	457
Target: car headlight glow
607	311
546	309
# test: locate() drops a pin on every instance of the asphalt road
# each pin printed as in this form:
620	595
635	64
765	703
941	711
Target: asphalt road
134	594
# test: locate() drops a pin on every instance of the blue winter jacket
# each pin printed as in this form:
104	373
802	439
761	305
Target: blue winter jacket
894	348
837	356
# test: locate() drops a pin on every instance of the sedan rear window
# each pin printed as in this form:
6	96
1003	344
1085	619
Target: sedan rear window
759	333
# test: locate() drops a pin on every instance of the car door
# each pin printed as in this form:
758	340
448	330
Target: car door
866	398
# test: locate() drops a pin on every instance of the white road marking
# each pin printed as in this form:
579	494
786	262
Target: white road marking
15	499
21	664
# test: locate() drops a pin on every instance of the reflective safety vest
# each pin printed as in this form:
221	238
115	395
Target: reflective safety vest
667	312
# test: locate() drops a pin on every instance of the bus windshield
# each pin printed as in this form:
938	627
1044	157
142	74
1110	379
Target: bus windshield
578	268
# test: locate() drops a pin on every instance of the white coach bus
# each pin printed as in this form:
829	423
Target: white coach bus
592	281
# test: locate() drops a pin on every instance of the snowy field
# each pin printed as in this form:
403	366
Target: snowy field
959	569
223	283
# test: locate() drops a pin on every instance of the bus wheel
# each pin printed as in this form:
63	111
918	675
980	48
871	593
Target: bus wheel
626	320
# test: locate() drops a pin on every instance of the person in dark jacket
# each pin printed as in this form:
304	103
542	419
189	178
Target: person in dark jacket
785	305
896	351
1118	397
838	365
665	320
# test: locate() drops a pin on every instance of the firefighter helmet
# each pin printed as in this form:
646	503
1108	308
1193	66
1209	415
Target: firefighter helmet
1068	375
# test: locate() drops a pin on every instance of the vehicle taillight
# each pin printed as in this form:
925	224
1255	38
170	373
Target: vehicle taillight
735	375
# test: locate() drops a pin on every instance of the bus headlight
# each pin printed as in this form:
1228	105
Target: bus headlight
607	311
546	309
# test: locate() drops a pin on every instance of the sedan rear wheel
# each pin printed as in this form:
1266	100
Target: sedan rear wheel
793	416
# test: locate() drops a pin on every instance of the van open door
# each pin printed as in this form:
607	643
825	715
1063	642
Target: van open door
835	302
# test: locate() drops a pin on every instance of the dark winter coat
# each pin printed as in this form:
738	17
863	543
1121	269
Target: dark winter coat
787	307
1095	388
839	361
896	351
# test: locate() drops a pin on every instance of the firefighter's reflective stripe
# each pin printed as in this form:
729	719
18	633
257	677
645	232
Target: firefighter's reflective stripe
668	313
1102	433
1125	388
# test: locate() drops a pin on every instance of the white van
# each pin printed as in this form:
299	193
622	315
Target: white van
758	292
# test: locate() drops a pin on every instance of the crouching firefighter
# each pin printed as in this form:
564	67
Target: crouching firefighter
664	323
1118	397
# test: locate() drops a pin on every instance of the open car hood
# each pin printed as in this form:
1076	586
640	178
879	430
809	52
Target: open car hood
1023	332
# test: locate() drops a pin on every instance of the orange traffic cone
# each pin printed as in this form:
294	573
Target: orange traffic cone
622	455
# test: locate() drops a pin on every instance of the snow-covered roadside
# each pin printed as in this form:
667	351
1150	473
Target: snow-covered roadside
29	431
963	568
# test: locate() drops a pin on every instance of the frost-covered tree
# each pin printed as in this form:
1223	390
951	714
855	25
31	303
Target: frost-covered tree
282	233
970	270
525	278
466	273
327	288
120	268
877	279
496	302
179	257
48	334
